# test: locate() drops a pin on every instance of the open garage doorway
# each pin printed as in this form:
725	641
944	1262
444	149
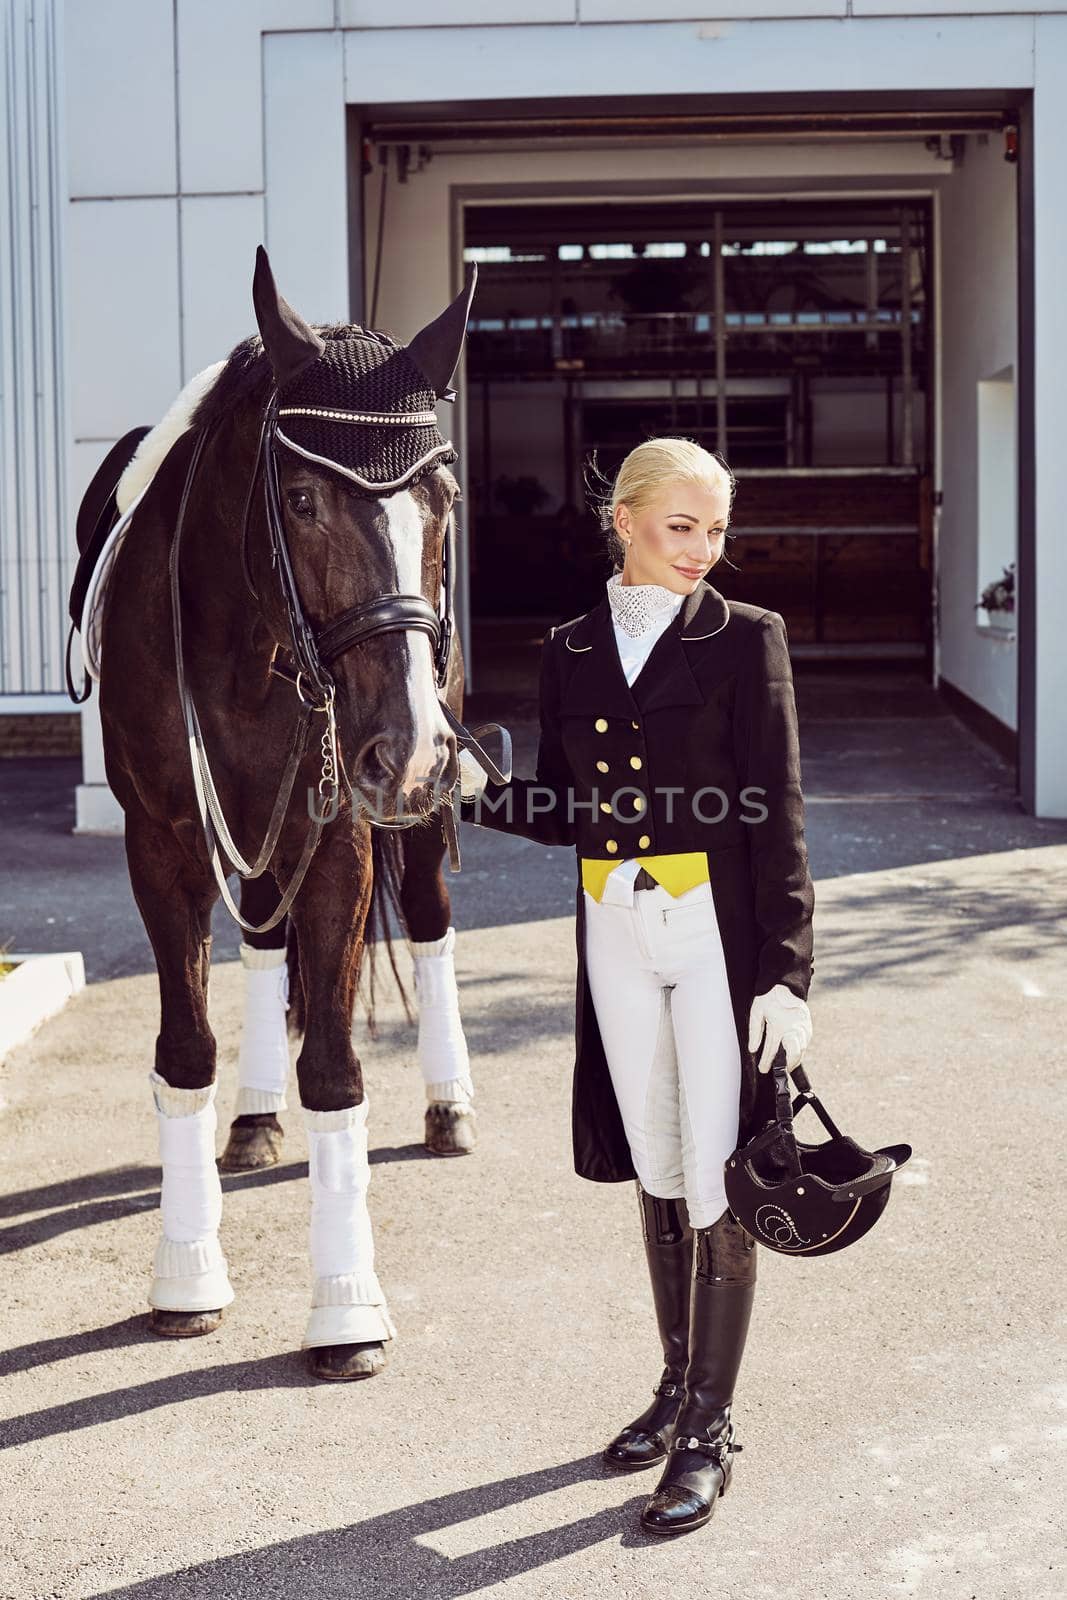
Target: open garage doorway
792	336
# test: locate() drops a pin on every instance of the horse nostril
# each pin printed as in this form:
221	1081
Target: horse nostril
381	755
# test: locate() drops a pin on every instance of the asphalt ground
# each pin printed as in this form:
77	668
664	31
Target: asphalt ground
901	1404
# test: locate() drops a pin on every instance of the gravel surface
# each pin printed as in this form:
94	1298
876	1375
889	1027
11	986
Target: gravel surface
901	1404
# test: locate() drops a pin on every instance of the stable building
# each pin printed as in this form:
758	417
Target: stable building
821	236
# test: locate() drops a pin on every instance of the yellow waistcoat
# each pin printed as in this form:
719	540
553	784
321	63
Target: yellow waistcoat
676	873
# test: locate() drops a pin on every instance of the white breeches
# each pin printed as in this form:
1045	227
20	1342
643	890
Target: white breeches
657	975
348	1305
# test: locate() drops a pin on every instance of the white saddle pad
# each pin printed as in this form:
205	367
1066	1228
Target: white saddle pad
132	487
93	609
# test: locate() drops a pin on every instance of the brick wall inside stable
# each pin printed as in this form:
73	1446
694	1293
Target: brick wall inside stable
54	733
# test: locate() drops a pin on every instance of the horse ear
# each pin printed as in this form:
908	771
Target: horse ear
288	340
437	347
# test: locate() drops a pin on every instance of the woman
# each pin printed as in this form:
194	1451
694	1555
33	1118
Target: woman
669	758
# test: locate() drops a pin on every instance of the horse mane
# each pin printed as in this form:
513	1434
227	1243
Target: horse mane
247	373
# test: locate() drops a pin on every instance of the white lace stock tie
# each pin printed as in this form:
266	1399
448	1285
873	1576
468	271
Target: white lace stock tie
636	607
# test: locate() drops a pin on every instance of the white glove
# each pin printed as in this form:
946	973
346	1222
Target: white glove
472	777
788	1022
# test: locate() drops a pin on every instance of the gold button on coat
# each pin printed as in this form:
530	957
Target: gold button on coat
602	766
644	842
639	802
611	844
635	761
601	724
635	724
605	805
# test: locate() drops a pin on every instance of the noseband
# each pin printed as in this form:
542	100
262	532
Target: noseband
313	652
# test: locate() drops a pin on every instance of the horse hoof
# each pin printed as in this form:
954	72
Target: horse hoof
342	1362
250	1148
451	1128
184	1324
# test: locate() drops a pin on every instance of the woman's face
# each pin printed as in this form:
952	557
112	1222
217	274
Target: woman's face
678	536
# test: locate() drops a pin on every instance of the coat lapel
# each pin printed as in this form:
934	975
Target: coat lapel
598	683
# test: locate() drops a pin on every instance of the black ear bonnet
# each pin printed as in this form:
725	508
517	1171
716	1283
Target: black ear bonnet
367	410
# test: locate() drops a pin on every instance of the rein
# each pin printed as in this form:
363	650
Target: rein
313	653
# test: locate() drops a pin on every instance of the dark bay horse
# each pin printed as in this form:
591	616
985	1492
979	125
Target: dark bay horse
336	424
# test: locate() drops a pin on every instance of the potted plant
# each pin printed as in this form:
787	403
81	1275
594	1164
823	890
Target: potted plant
1000	594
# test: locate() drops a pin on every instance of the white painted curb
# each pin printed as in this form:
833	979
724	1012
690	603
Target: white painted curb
38	988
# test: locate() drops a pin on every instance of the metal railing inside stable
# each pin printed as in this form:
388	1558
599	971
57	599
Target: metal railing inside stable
598	338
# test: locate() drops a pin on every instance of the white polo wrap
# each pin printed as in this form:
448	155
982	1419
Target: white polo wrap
263	1059
444	1060
190	1268
347	1302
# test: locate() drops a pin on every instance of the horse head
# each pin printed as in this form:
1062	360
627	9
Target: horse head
364	497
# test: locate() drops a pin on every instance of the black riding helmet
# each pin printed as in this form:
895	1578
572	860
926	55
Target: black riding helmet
807	1199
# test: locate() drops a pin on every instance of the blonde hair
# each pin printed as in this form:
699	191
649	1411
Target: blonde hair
651	464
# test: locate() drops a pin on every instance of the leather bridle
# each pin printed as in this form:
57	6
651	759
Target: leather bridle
314	651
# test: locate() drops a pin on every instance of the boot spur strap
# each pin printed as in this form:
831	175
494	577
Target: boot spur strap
668	1389
716	1448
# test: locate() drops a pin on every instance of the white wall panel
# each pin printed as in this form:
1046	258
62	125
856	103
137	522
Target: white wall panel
307	171
122	292
452	13
84	458
1050	343
220	79
220	85
693	10
978	339
958	8
120	97
691	58
219	239
290	15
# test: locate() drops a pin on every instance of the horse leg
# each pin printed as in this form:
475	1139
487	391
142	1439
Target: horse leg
191	1284
256	1135
444	1061
349	1319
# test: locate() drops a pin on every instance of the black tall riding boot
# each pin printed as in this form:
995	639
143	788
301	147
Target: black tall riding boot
701	1458
669	1252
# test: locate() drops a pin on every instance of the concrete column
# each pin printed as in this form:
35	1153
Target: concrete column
96	809
1043	578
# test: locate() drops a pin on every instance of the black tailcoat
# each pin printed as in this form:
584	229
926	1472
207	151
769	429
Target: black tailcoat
700	753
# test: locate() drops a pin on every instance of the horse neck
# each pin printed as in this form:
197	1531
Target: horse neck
221	617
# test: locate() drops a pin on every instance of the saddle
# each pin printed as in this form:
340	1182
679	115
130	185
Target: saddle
96	516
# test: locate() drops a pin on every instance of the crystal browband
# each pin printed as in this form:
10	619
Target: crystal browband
402	419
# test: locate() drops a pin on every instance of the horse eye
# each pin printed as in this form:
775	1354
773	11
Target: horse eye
301	503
